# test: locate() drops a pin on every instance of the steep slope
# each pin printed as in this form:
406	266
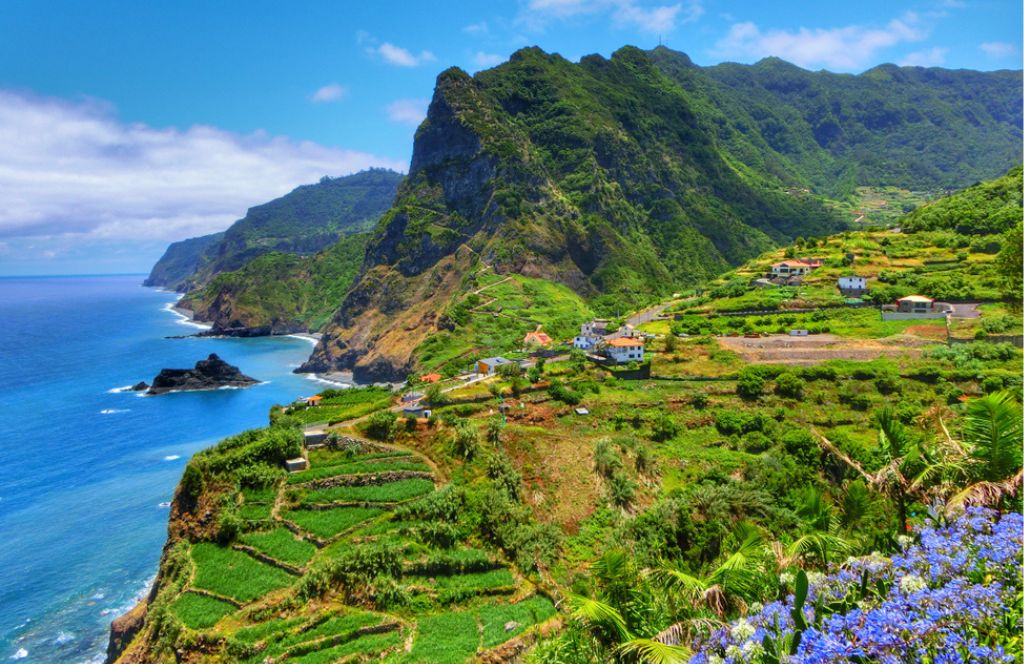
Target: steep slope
308	219
896	126
180	261
279	293
984	209
605	176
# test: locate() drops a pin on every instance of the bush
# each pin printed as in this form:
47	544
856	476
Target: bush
465	440
789	385
664	428
382	425
699	401
750	385
192	482
560	392
756	442
888	383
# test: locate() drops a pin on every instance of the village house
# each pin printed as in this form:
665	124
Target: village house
409	397
430	378
795	267
537	338
490	365
915	304
591	334
625	349
313	400
914	307
852	286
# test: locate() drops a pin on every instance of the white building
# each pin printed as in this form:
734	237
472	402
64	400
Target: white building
853	283
584	342
625	349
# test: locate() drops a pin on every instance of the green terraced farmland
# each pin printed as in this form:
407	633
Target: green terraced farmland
369	466
281	544
528	612
372	493
256	512
234	574
328	523
199	611
445	638
371	644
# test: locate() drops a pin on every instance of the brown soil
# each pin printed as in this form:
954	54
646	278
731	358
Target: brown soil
784	349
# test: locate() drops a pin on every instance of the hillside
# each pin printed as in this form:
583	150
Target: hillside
623	178
983	209
280	293
510	525
180	261
307	220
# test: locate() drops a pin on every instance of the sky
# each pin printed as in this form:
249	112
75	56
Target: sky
127	125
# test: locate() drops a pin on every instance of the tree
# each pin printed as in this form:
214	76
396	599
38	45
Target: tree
789	385
750	384
436	396
1010	264
382	425
670	343
465	440
495	426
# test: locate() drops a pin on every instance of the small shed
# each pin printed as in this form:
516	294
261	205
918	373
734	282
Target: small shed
409	397
582	411
296	464
314	438
799	333
313	400
416	412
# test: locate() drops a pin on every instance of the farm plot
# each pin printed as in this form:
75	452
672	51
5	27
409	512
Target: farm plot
280	544
234	574
382	465
390	492
784	349
200	611
329	523
502	622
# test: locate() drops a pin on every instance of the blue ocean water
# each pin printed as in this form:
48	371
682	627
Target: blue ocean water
84	469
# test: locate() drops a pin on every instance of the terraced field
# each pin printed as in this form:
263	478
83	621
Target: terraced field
426	600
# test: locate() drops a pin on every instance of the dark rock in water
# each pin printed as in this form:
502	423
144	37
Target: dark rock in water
208	374
140	386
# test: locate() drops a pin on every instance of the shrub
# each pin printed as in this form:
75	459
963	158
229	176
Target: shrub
888	383
789	385
756	442
664	428
560	392
699	401
750	385
382	425
465	440
192	482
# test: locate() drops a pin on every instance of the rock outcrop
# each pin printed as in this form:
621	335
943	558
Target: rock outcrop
208	374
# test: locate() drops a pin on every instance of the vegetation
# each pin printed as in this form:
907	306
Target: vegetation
233	574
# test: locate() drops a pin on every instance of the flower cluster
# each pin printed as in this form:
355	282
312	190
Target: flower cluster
953	597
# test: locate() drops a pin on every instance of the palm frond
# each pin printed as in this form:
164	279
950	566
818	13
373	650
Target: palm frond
595	612
651	651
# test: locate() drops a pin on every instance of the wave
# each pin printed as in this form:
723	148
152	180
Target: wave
21	654
318	378
114	411
164	504
63	637
305	337
118	390
184	319
172	457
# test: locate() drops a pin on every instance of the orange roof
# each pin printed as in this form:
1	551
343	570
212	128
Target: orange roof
430	377
539	337
314	399
623	342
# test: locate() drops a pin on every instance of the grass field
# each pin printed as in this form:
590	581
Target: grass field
234	574
373	466
256	512
528	612
371	493
328	523
371	644
199	611
280	544
445	638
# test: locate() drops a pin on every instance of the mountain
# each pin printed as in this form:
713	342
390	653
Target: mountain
279	293
180	261
307	220
984	209
632	176
912	127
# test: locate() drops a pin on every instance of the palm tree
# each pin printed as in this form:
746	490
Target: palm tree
821	534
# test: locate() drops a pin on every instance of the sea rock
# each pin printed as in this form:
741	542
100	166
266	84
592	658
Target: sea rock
208	374
140	386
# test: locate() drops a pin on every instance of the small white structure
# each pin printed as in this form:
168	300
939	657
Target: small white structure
595	328
490	365
585	343
853	283
582	411
414	412
798	333
297	464
625	349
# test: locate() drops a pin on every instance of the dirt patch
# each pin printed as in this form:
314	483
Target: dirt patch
784	349
933	332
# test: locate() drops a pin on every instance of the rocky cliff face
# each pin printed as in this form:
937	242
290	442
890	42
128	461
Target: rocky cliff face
208	374
601	176
180	262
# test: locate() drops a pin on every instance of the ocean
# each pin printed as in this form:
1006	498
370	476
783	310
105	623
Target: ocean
87	469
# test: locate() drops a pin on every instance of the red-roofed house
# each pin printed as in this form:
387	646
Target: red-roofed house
625	349
430	378
537	338
795	267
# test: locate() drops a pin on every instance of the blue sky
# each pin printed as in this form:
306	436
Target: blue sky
125	125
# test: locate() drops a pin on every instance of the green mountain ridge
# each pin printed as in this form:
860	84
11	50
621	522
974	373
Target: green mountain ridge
633	176
305	221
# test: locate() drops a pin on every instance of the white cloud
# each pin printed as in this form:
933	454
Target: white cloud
331	92
480	28
485	60
407	111
624	14
998	50
931	57
73	171
401	57
847	48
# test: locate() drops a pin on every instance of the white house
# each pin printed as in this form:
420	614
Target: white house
795	267
853	283
585	343
625	349
591	334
